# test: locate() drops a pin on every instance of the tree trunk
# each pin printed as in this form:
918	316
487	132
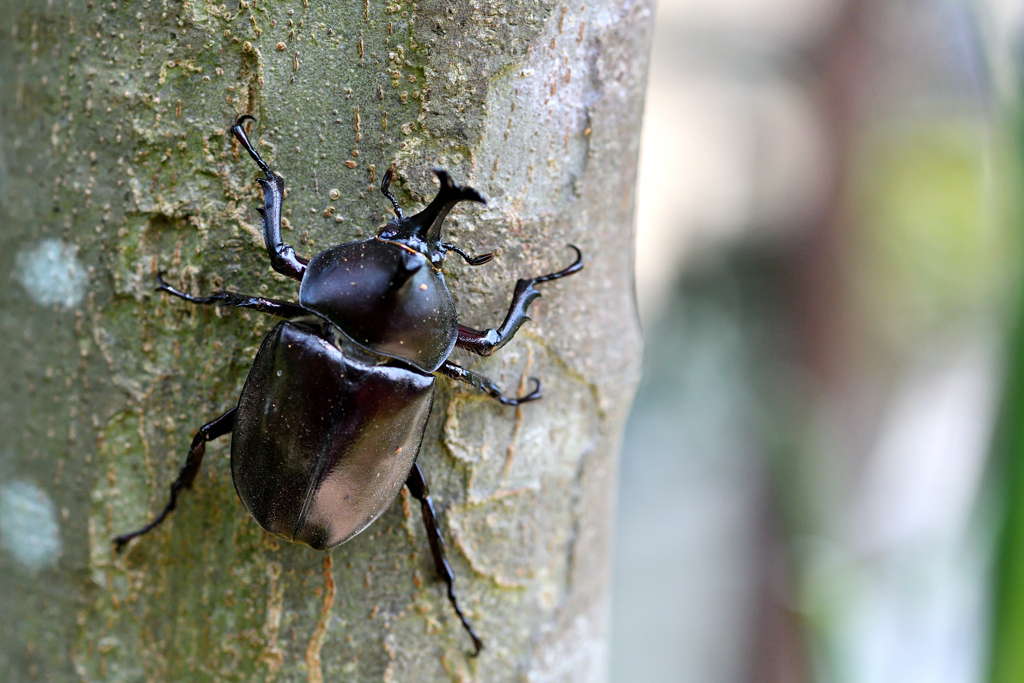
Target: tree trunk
115	164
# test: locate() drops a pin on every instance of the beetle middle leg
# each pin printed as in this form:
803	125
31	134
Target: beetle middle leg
486	385
282	309
208	432
283	258
418	489
487	342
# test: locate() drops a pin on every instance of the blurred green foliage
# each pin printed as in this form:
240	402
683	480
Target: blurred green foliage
1007	649
938	243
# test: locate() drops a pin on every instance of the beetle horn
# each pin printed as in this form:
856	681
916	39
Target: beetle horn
428	221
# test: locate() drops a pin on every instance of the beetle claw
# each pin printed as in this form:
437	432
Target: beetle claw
238	130
533	395
575	267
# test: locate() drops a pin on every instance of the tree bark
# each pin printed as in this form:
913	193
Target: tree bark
115	163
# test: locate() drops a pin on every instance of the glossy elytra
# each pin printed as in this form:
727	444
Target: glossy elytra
331	417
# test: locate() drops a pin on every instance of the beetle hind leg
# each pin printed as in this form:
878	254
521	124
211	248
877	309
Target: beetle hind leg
208	432
486	385
418	487
488	341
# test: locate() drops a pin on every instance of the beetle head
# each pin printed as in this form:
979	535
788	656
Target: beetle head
422	232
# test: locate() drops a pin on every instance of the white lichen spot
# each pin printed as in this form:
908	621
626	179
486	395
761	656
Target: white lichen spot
28	525
52	274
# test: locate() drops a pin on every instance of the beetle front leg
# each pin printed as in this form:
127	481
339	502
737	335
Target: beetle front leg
486	385
282	309
418	488
208	432
283	258
487	342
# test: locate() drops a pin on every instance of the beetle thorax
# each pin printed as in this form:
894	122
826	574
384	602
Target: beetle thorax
386	298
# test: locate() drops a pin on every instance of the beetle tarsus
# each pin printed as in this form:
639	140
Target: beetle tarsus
487	342
575	267
239	131
418	488
281	309
208	432
457	372
477	260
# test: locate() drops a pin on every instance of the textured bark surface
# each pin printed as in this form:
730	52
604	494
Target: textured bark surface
114	163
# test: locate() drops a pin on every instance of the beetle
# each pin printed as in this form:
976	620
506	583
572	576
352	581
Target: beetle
331	417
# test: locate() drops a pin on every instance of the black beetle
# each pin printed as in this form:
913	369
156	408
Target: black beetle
332	414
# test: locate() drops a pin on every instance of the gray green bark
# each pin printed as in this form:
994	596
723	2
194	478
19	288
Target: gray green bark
114	163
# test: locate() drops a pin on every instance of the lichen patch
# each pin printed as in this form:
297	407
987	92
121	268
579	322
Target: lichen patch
52	274
28	525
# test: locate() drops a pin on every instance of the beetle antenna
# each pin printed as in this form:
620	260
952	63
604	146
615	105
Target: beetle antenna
385	183
471	260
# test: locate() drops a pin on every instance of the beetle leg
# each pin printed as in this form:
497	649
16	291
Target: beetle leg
471	260
450	369
208	432
418	488
283	258
487	342
282	309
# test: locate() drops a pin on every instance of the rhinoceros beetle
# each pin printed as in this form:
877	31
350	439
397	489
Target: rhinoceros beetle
331	417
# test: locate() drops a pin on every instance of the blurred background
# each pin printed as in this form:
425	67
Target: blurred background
823	475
